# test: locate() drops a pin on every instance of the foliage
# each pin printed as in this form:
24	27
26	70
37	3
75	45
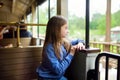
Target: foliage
95	21
116	19
76	22
97	24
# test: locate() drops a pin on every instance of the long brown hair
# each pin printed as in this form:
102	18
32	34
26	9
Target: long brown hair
53	33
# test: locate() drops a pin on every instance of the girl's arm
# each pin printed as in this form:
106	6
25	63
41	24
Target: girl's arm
56	65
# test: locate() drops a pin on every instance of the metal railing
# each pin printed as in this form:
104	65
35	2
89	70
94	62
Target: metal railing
107	58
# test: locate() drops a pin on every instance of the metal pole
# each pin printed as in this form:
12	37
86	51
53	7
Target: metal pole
38	19
18	35
48	9
87	24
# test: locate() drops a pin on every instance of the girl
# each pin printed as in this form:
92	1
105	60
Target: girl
57	51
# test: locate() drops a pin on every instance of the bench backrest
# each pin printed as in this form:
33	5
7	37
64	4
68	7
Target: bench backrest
23	41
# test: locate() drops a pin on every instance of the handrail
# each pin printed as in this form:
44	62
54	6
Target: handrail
26	24
106	46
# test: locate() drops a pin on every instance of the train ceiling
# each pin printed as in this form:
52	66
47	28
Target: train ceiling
13	10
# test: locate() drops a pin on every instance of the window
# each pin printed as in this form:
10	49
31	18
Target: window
76	18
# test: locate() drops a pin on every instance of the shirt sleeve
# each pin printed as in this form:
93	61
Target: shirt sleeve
76	41
55	65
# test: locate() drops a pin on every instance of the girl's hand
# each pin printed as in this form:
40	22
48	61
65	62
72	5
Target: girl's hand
72	50
80	46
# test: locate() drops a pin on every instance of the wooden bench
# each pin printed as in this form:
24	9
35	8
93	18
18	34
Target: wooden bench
19	63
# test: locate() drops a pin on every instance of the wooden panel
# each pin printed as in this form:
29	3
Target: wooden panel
29	76
19	63
11	55
17	66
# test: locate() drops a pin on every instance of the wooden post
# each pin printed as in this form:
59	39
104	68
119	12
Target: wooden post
62	8
108	21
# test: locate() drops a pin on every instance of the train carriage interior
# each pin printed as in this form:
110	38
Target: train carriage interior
20	56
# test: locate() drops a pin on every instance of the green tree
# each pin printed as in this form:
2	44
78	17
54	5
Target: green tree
76	22
116	19
95	21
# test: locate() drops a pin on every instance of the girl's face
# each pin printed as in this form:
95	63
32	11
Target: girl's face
64	30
